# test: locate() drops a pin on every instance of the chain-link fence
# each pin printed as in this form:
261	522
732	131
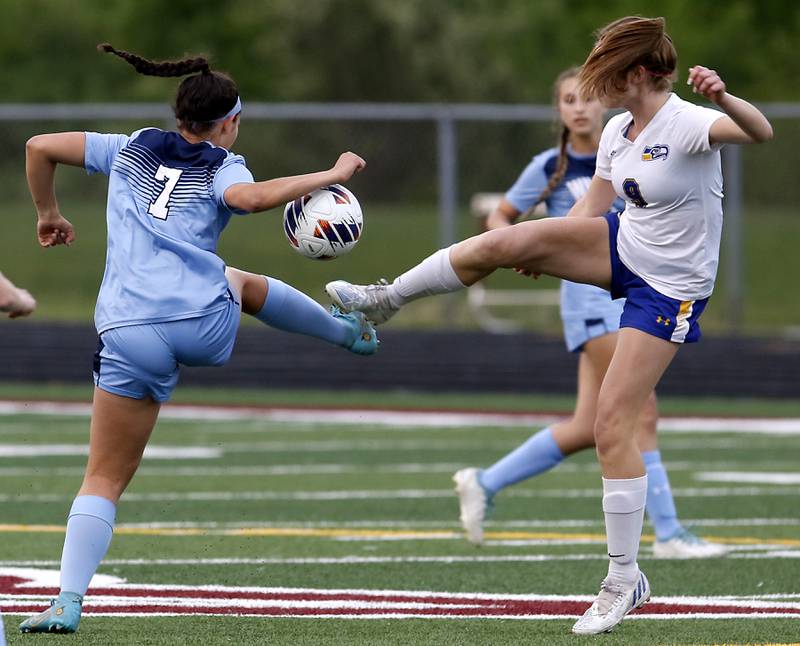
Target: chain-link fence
425	161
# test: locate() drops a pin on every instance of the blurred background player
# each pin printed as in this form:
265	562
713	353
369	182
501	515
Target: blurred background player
17	302
559	177
14	300
166	298
661	156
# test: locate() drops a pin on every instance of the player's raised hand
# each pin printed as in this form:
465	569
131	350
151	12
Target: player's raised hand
706	82
55	230
348	165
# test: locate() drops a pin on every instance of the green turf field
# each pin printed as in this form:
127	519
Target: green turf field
363	507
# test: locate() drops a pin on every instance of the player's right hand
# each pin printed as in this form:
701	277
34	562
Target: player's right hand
54	230
347	165
22	305
527	273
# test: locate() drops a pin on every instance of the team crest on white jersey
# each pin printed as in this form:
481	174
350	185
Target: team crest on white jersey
578	186
657	151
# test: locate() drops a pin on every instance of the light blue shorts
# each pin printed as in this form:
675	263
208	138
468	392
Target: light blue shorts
138	361
587	312
578	331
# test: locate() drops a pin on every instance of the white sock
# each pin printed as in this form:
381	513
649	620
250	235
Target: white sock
434	275
89	529
623	506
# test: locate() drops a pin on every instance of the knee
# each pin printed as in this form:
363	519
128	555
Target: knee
649	416
105	486
609	433
250	288
253	293
493	248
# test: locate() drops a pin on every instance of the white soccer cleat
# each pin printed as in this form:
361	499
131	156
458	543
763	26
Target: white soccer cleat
370	299
612	604
685	545
473	502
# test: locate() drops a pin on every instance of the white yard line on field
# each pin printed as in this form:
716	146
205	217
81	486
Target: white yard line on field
403	418
339	446
153	452
392	494
353	468
247	471
416	524
750	477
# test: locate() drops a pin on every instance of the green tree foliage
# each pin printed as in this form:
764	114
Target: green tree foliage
377	50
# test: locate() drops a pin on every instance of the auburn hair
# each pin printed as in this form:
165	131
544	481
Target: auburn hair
202	98
622	46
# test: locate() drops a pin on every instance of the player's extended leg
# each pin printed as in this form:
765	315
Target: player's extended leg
573	248
281	306
119	432
638	364
672	539
544	450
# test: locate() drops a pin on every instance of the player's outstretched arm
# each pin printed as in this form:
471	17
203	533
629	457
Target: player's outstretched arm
14	300
503	215
596	201
262	196
745	124
42	154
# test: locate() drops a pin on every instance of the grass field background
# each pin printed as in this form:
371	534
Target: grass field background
309	479
66	280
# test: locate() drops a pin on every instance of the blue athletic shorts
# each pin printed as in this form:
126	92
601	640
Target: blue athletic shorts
138	361
579	331
645	308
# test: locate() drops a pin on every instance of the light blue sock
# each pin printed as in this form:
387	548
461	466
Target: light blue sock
539	453
660	505
89	530
292	311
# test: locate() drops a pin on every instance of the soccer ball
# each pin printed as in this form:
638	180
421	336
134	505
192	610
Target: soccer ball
325	224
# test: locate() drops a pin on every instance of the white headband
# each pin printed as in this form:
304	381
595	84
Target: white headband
233	111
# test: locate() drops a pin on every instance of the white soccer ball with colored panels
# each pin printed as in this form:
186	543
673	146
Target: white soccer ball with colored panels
325	224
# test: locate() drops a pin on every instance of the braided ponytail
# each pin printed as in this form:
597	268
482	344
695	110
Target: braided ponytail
202	98
561	167
562	162
164	68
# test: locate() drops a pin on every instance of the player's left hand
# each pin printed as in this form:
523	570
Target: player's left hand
55	230
706	82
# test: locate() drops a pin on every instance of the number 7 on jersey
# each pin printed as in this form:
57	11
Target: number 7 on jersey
170	177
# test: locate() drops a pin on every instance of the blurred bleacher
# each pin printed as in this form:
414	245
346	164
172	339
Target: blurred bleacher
419	361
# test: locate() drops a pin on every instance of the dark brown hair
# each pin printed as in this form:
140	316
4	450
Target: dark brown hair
623	45
202	98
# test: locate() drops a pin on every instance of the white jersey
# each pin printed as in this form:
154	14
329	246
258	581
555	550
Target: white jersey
670	177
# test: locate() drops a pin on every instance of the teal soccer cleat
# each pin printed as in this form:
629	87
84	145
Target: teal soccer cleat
62	616
364	340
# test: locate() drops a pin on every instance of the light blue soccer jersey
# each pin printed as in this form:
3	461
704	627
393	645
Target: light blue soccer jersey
578	301
165	214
